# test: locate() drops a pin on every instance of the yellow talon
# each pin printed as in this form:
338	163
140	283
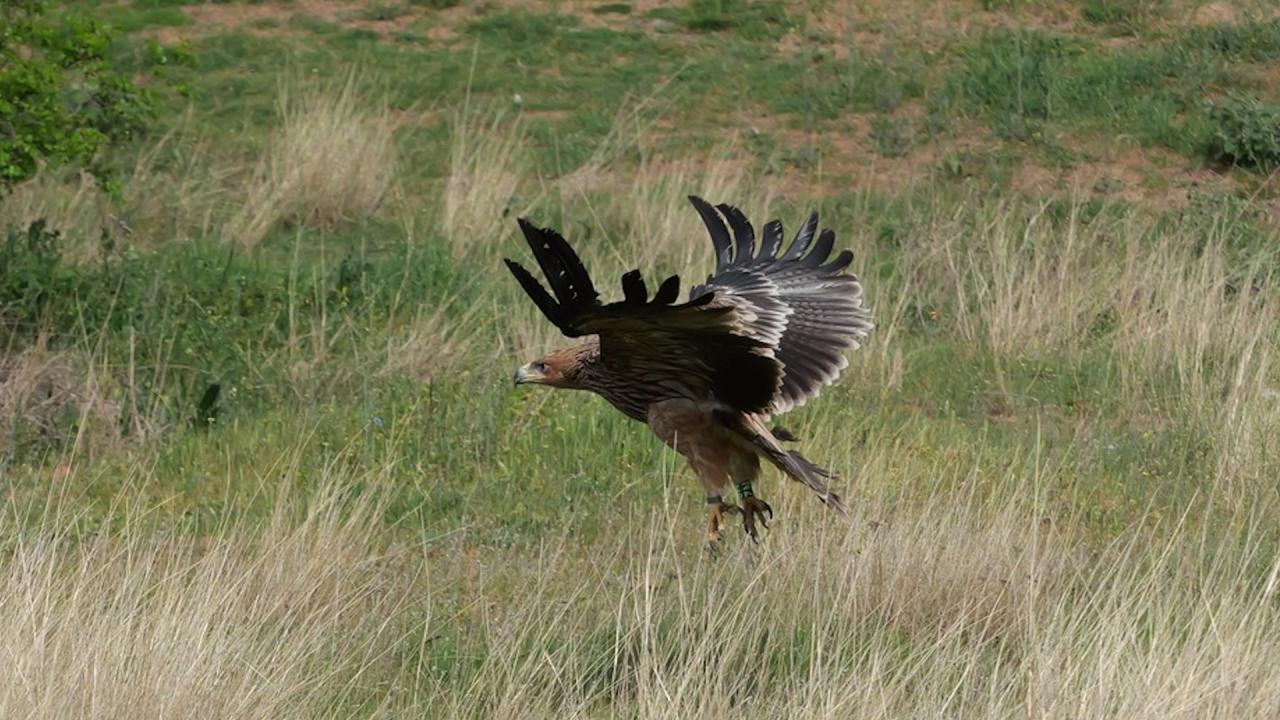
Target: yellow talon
715	518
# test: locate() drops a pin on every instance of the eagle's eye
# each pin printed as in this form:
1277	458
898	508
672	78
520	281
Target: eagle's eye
540	366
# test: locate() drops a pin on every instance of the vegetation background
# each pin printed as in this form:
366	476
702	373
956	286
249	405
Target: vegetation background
259	453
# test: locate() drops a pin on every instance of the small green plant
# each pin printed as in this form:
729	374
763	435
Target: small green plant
821	86
383	12
1122	15
1012	74
62	100
752	19
615	8
29	272
1245	132
891	137
1254	42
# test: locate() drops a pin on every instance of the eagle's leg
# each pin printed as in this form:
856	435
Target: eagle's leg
717	508
745	468
689	428
753	509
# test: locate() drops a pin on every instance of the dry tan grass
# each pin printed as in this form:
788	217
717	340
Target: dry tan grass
57	395
947	609
434	345
249	623
332	161
74	206
643	217
1171	301
957	602
487	168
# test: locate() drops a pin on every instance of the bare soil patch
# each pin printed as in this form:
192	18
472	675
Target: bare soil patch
1153	177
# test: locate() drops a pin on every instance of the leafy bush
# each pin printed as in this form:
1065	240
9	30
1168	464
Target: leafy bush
1246	132
61	99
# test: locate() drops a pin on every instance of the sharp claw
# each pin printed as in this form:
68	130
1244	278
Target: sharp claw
753	510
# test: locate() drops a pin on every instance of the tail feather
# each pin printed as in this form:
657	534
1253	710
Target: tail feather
806	471
791	462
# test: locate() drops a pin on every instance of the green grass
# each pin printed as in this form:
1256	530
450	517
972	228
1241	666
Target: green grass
141	16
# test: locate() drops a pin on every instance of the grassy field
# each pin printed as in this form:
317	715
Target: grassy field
260	456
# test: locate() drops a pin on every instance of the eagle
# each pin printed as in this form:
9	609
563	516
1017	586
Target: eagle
762	335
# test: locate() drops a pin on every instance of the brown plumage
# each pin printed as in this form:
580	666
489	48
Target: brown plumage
765	332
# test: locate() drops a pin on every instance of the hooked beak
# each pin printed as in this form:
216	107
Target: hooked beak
526	374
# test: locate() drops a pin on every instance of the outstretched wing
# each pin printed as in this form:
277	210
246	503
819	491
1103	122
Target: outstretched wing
807	310
697	349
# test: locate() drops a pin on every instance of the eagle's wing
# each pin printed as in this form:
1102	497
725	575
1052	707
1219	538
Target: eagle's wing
698	349
806	310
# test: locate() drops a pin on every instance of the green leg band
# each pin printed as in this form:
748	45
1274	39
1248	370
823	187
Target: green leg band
744	491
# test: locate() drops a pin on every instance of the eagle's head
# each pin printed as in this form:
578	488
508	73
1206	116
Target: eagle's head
564	368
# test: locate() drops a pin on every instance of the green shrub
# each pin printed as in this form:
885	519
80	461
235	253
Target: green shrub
61	100
31	275
1246	132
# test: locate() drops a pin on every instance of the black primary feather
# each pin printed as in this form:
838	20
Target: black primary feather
801	243
840	263
207	408
561	266
668	291
772	240
715	226
821	250
743	234
565	274
633	288
538	294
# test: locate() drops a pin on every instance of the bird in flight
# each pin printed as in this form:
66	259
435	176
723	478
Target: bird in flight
764	334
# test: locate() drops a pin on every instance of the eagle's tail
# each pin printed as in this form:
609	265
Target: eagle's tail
791	462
